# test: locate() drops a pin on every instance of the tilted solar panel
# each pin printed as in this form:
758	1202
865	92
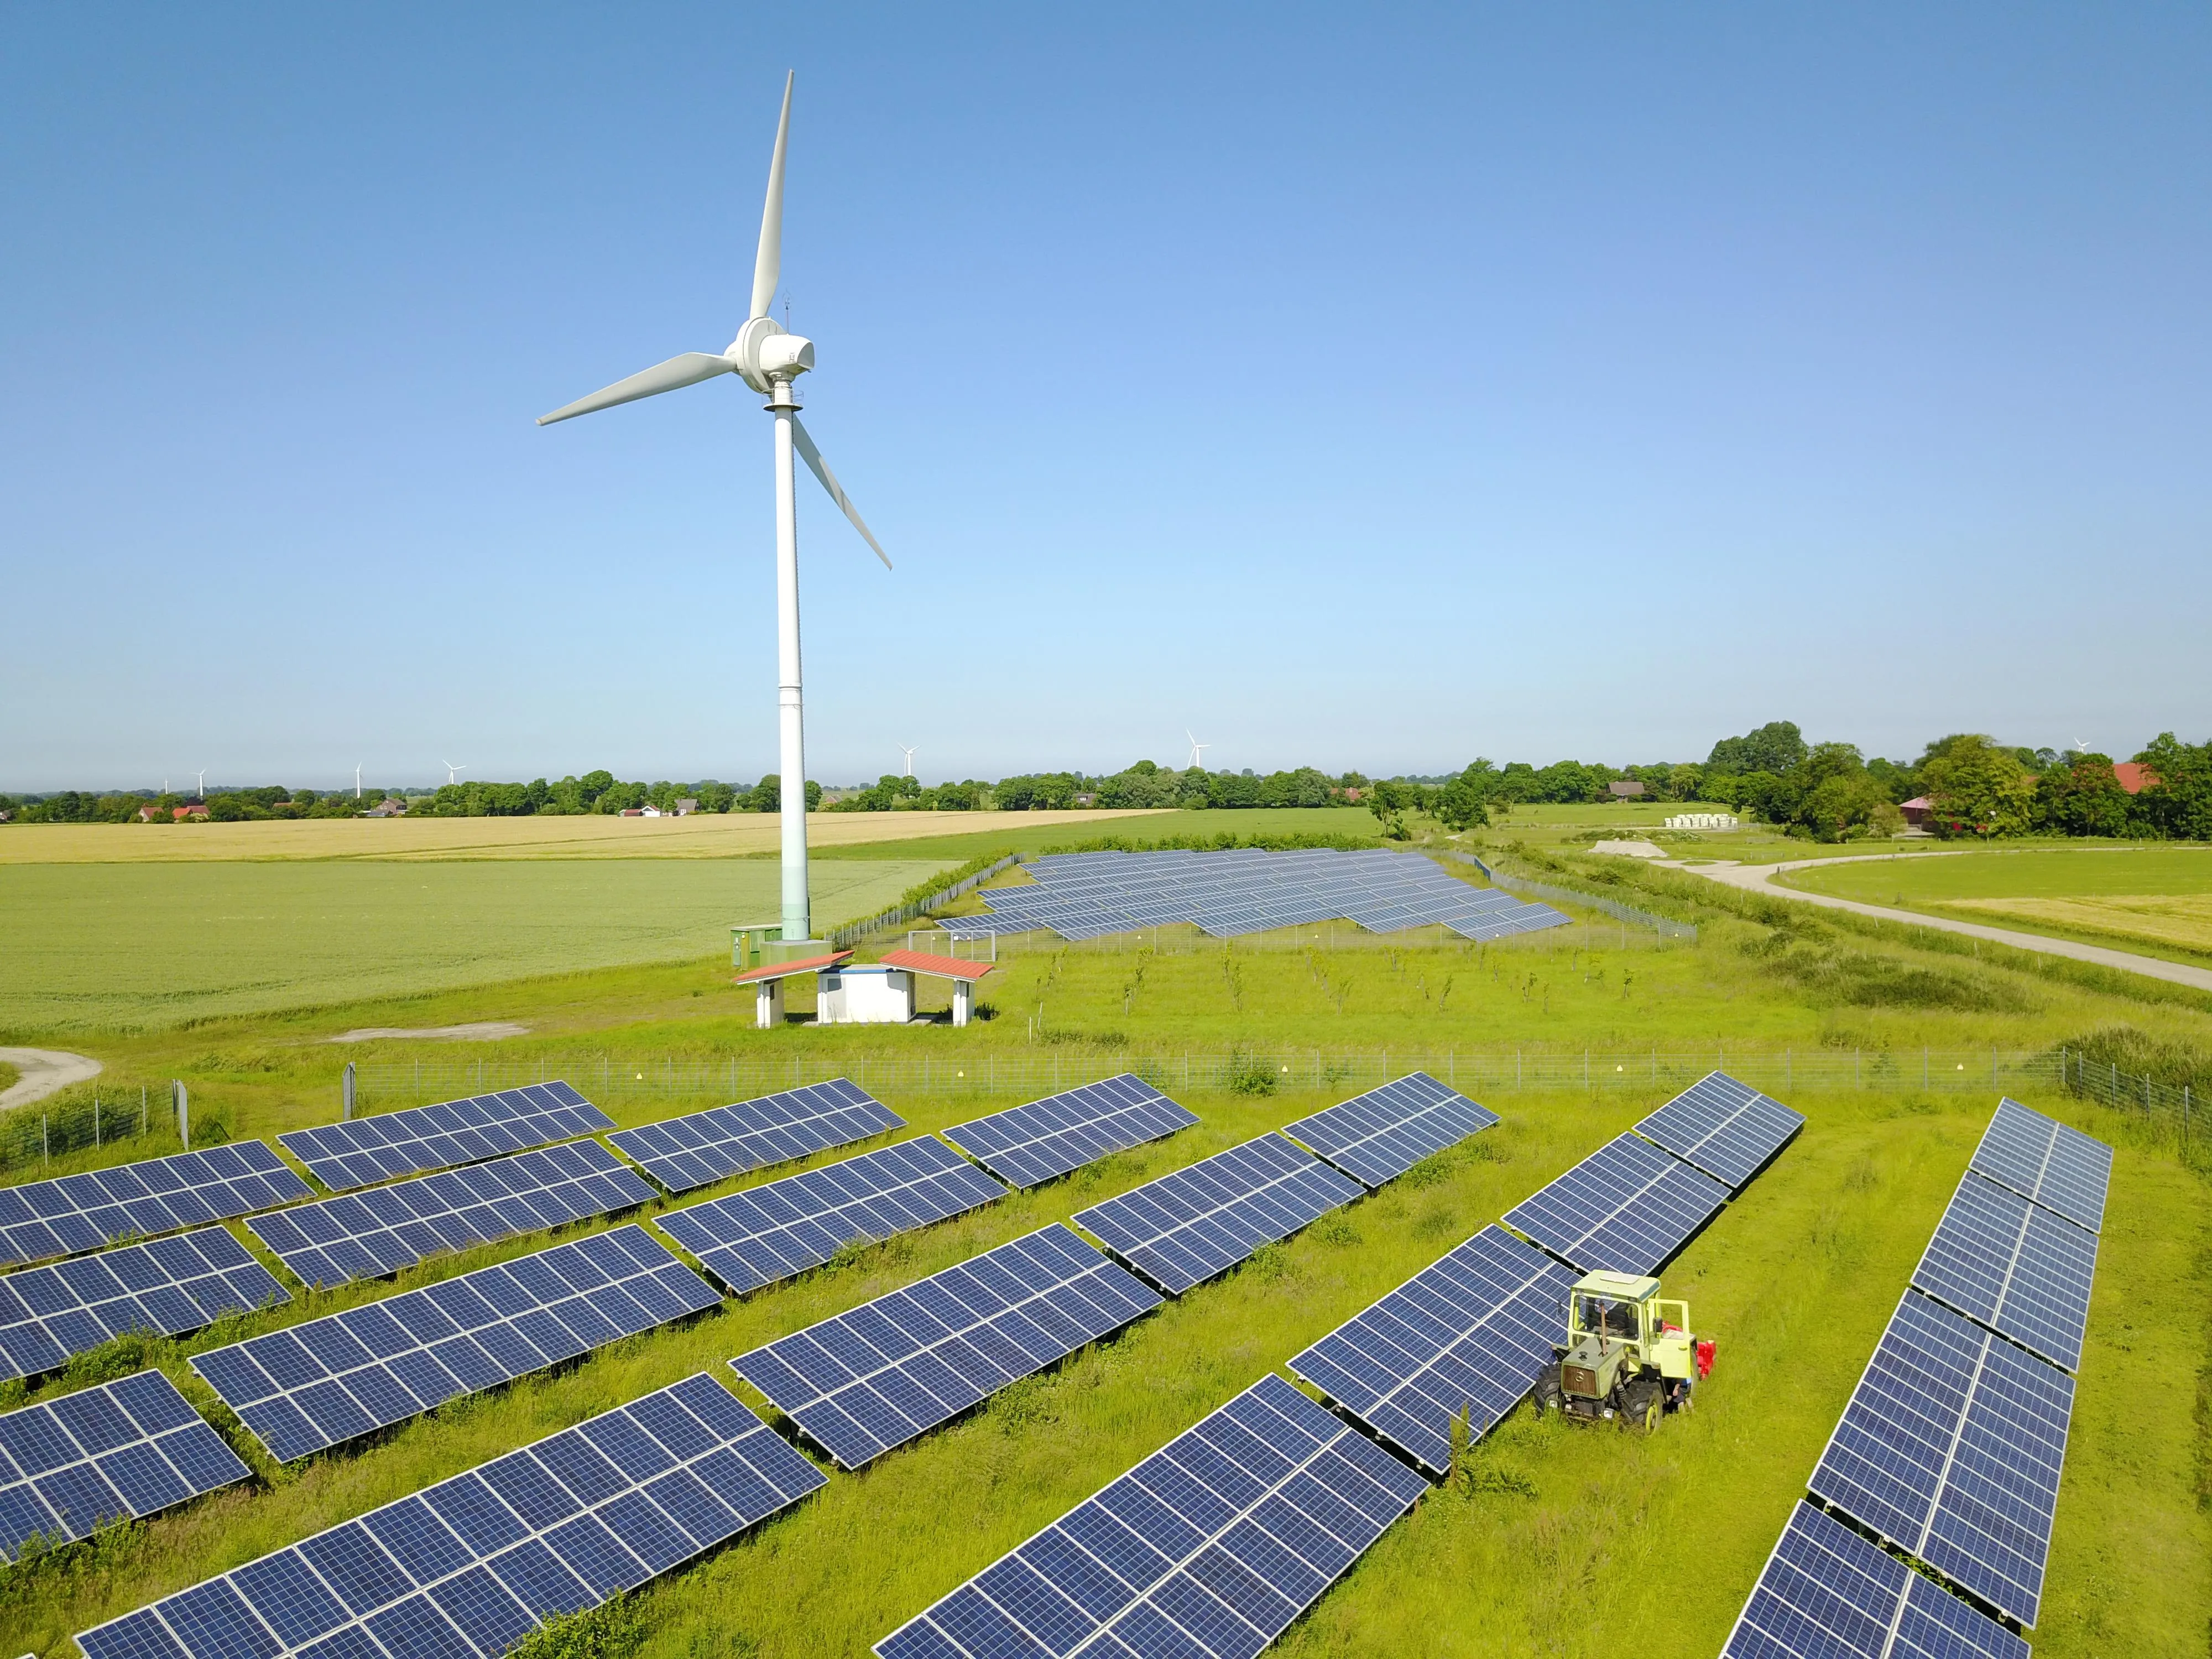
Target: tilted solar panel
325	1381
1199	1220
1027	1145
166	1286
869	1379
1950	1449
1467	1334
769	1232
2008	1263
364	1150
692	1150
1727	1128
125	1450
367	1234
1212	1546
2039	1158
1827	1592
1628	1206
77	1212
1381	1134
465	1568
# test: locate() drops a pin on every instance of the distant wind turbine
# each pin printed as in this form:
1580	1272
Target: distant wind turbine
356	780
453	772
908	749
200	794
2081	745
1197	751
768	358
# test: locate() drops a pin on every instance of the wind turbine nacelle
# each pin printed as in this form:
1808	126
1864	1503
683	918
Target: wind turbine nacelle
763	353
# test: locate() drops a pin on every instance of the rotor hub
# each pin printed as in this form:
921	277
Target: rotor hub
765	354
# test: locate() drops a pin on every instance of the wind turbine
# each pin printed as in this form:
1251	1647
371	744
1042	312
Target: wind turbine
768	359
453	772
357	780
1197	751
908	749
200	794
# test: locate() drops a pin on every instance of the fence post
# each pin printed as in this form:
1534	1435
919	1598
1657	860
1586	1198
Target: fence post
2184	1123
346	1111
46	1141
180	1098
95	1119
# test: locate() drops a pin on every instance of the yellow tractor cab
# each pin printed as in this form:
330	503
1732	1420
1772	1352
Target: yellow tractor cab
1629	1355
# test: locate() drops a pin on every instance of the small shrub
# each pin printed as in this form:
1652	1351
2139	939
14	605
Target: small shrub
613	1630
1249	1077
116	1357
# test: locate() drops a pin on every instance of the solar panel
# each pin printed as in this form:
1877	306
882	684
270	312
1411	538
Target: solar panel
1212	1546
1727	1128
166	1286
1188	1226
364	1150
77	1212
2039	1158
466	1568
688	1152
1027	1145
1827	1592
766	1233
1466	1333
1381	1134
367	1234
2013	1265
869	1379
321	1383
1628	1206
125	1450
1950	1449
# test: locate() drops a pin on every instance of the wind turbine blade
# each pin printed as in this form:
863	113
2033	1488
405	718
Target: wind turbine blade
768	261
820	468
690	369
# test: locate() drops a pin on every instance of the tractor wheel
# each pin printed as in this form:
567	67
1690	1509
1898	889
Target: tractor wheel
1548	1395
1642	1405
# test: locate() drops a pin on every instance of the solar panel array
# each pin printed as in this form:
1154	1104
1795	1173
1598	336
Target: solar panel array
873	1378
465	1568
1628	1206
1467	1334
1211	1546
128	1449
325	1381
166	1286
2039	1158
367	1234
1827	1592
1198	1221
1381	1134
1727	1129
364	1150
1027	1145
156	1195
1950	1449
700	1147
766	1233
1087	894
2015	1267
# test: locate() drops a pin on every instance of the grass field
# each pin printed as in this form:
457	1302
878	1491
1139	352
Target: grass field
1561	1541
2157	898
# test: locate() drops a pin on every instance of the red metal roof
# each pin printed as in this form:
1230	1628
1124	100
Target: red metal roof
785	969
2134	776
944	967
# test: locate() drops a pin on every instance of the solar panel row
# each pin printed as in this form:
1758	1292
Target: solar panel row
2008	1263
1628	1206
364	1150
2039	1158
770	1232
1466	1334
1727	1128
166	1286
367	1234
1203	1218
1212	1546
684	1152
873	1378
329	1380
1381	1134
125	1450
1027	1145
76	1212
465	1568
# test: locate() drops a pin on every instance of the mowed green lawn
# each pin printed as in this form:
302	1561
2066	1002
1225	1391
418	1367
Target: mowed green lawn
93	947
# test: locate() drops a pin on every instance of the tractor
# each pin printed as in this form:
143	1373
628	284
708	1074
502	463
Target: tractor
1629	1357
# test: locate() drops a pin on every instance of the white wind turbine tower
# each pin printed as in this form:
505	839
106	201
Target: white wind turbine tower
453	772
767	359
357	780
1197	751
908	749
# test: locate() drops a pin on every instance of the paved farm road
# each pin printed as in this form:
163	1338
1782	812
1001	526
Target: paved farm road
44	1071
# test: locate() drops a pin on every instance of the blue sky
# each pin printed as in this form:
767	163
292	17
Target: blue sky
1366	387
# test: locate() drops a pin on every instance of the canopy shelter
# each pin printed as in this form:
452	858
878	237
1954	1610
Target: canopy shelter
767	981
963	976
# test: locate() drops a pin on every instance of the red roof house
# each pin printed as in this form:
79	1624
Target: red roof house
2134	776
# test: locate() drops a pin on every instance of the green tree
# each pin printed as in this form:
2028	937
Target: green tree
1972	783
2179	803
1775	747
2081	797
1464	802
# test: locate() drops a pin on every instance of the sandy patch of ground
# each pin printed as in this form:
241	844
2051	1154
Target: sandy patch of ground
483	1031
1631	849
42	1071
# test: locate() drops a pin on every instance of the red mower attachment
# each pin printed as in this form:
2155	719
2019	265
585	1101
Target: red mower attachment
1706	1351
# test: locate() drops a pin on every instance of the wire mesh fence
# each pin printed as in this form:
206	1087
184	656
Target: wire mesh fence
31	1138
